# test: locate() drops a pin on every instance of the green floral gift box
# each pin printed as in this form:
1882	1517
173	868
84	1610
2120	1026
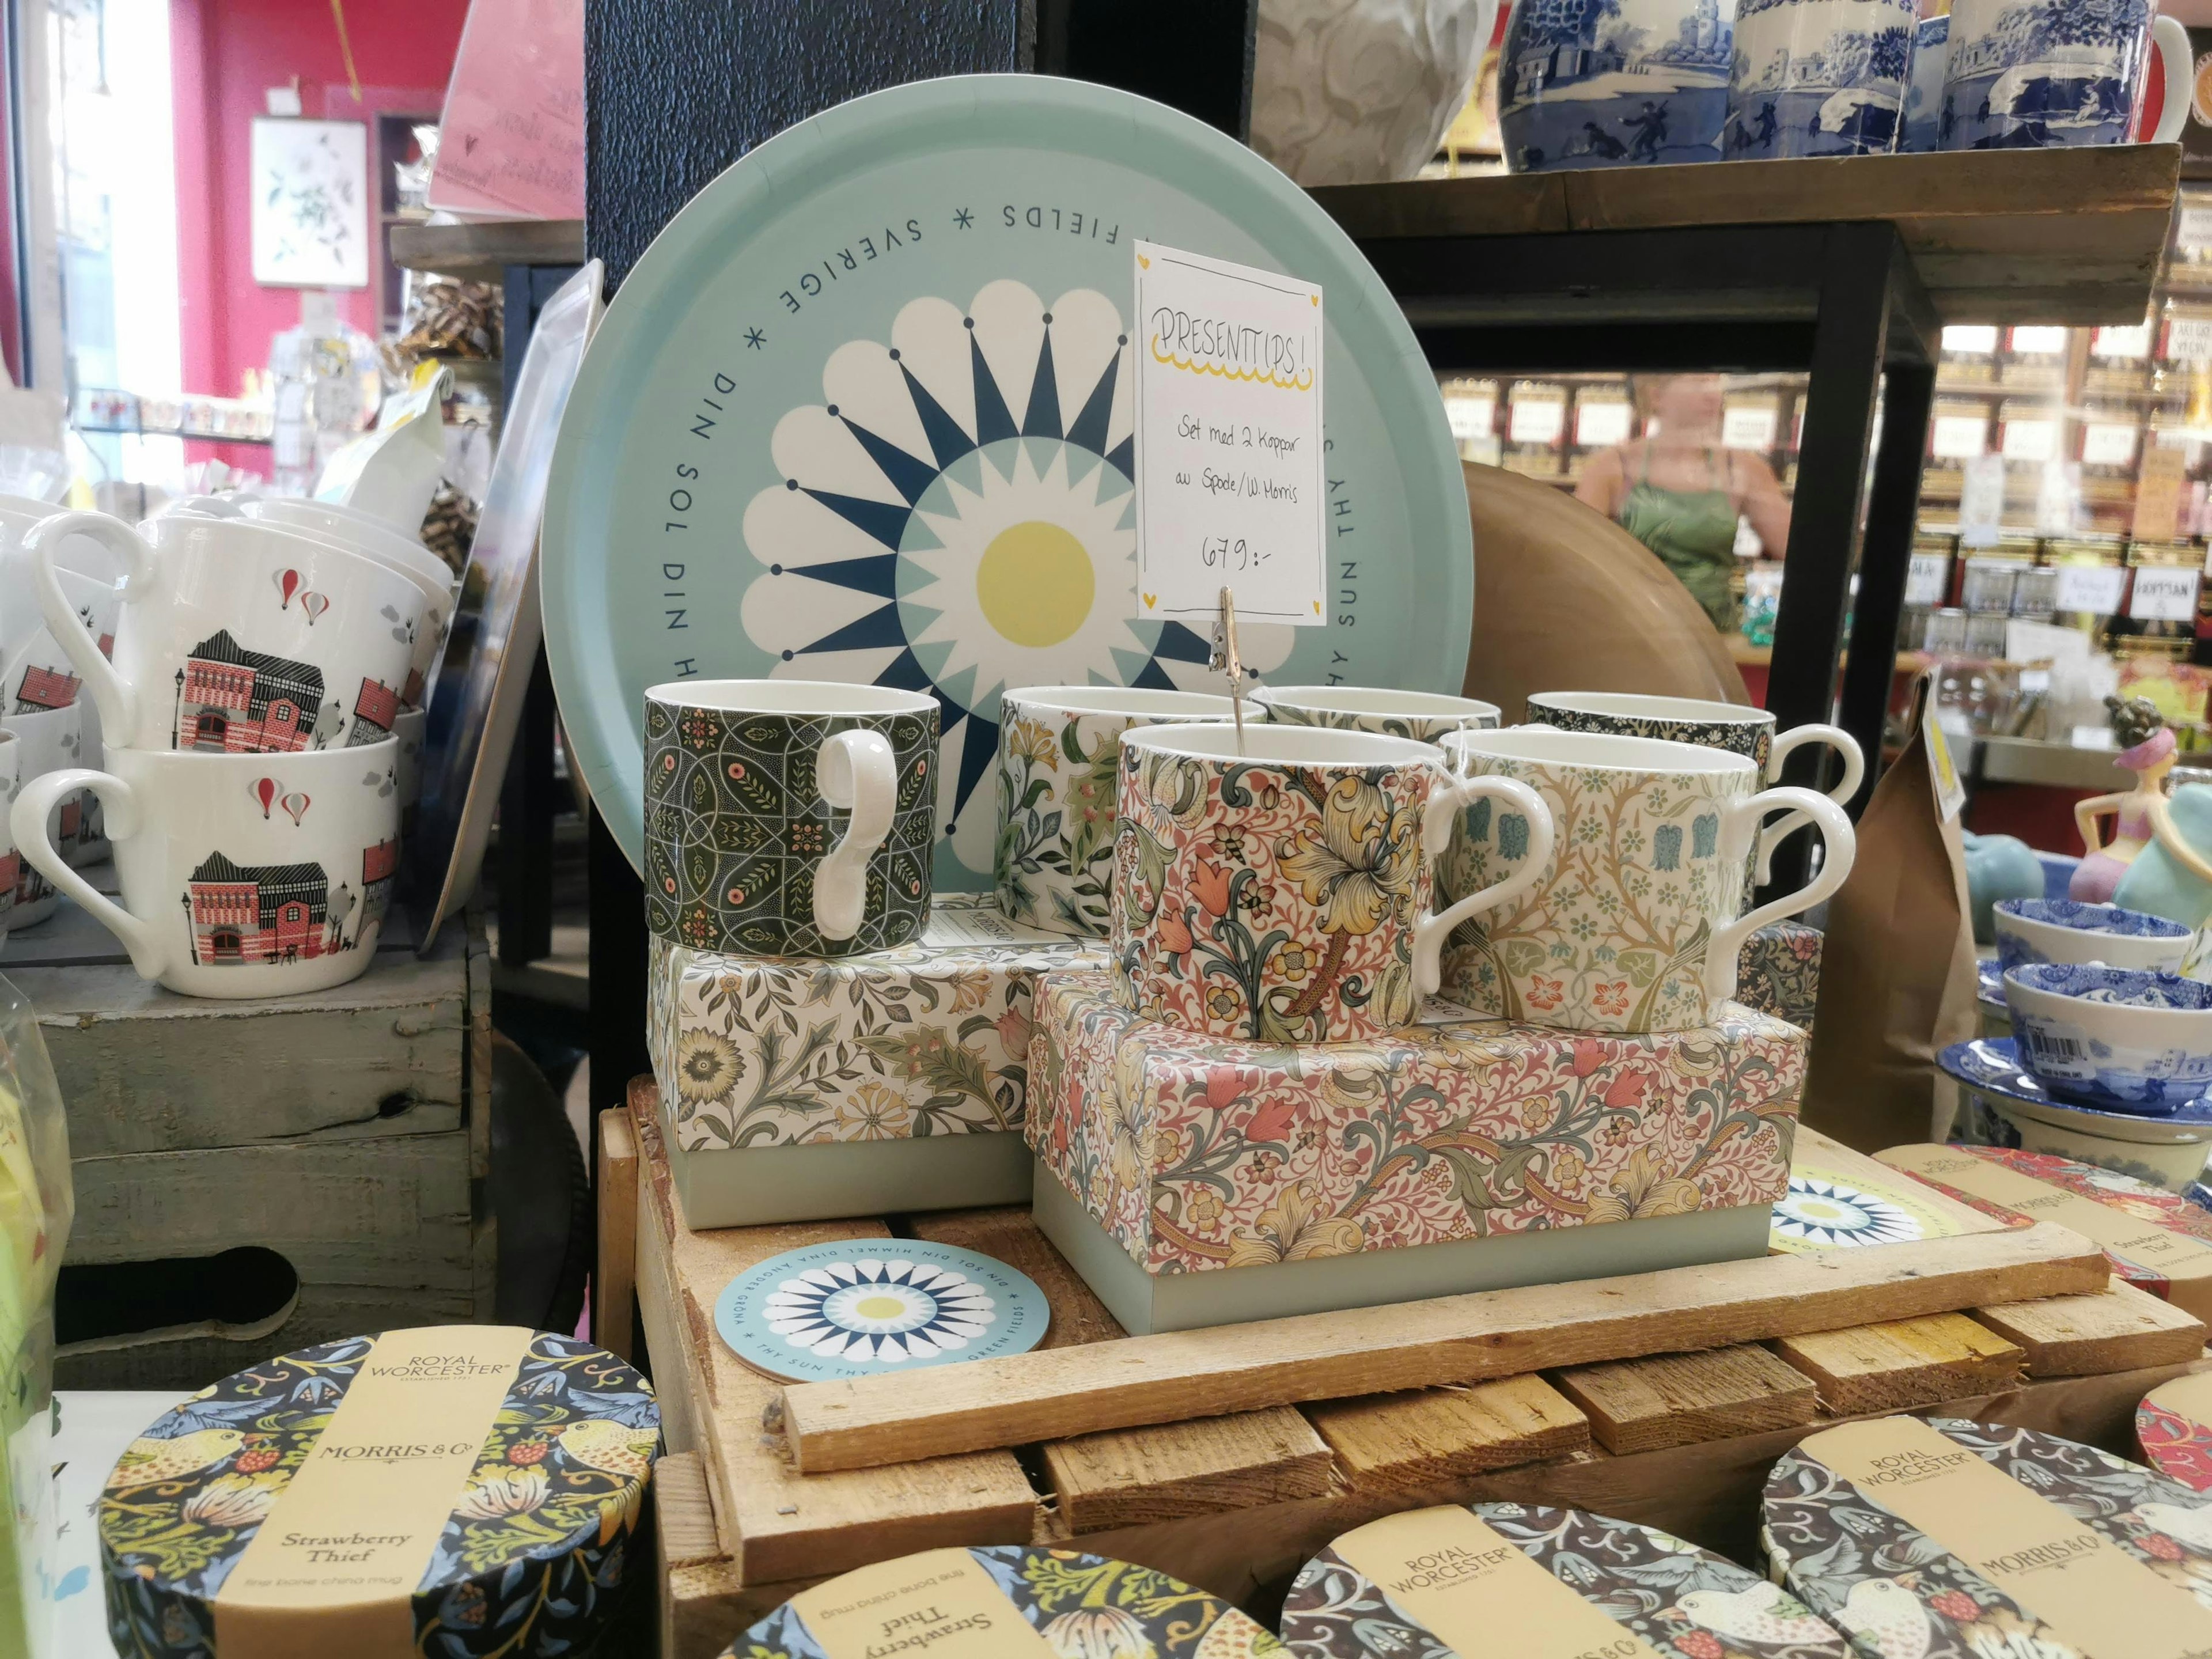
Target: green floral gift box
797	1089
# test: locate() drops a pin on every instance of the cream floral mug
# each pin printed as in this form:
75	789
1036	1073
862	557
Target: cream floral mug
1282	894
1634	922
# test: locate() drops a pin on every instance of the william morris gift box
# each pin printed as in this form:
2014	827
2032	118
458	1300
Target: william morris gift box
1200	1181
794	1088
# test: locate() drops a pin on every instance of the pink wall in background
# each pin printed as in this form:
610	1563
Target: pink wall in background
226	54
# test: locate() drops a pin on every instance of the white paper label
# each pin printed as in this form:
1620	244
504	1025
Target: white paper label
2162	594
950	925
2038	342
1536	420
2196	228
1943	770
1229	483
2189	340
1471	417
1751	427
1961	437
2030	441
2123	342
1970	339
1600	426
2094	588
1926	578
1981	500
2109	446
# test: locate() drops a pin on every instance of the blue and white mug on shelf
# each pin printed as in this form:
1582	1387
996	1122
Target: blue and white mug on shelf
1627	83
1818	77
2047	74
1921	132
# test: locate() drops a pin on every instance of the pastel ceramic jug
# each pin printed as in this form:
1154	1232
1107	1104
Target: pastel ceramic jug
1627	83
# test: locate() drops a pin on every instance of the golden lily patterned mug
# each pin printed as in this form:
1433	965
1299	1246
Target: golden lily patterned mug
1424	716
1059	761
1634	922
1282	895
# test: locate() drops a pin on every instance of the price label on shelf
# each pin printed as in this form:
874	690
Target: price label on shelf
1471	417
1536	420
2164	594
2123	342
1981	500
1750	427
1961	437
1601	425
1970	339
2196	228
2106	444
1229	484
2038	342
2189	340
2030	441
2094	589
1926	578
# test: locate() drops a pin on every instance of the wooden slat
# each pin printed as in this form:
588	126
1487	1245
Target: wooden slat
1678	1399
1405	1441
776	1524
1904	1363
1125	1478
614	1286
2124	1328
1458	1339
482	251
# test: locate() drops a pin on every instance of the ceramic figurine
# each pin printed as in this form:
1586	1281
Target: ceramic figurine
1624	83
2137	811
2045	74
1351	93
2172	877
1998	867
1818	77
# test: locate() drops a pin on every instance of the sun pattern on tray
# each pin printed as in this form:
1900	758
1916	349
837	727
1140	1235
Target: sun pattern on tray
1824	1212
956	516
887	1311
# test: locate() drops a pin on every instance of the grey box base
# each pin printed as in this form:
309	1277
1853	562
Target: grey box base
1146	1303
829	1181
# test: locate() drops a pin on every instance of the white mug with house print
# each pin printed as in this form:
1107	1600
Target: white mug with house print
235	638
242	875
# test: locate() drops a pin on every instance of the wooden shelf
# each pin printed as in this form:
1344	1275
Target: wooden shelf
482	252
2071	236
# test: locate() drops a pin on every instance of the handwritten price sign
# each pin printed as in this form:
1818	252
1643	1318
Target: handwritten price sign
1229	483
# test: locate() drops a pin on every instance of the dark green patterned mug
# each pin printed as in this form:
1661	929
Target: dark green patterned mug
788	817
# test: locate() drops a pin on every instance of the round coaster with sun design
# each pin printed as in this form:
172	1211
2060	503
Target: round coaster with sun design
863	412
1822	1212
861	1307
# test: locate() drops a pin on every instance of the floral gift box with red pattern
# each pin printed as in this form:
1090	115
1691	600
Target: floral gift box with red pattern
796	1088
1448	1157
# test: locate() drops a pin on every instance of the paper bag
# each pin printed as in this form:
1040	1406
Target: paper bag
1898	975
1567	600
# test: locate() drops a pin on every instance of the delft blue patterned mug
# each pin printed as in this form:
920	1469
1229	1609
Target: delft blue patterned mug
1626	84
2053	74
1818	77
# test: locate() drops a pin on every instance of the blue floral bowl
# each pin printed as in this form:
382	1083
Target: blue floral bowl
2065	930
2116	1037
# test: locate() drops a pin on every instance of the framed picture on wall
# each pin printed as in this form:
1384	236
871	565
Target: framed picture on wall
310	202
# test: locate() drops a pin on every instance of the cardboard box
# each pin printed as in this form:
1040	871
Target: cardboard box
2156	1240
793	1089
1195	1180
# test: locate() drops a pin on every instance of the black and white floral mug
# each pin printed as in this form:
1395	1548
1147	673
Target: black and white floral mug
788	817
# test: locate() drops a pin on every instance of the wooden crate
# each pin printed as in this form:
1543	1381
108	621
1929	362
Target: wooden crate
1235	1502
349	1131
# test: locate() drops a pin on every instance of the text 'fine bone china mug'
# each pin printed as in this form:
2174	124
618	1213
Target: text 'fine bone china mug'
236	638
1635	921
1059	776
788	817
1282	894
242	875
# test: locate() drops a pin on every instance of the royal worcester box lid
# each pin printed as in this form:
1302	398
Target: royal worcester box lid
461	1491
1004	1601
1538	1583
1948	1540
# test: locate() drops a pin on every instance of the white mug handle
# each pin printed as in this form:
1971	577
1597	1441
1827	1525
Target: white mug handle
1787	744
26	820
1738	825
857	771
1450	798
119	703
2177	59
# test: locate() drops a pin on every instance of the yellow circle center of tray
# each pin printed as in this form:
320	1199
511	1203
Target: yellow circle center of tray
879	1307
1035	583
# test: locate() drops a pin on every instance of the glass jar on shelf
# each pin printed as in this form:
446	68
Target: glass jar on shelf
1969	355
1604	418
1946	632
1471	411
1536	427
2035	357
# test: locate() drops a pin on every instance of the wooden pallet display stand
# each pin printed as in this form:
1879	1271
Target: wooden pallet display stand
1237	1502
348	1130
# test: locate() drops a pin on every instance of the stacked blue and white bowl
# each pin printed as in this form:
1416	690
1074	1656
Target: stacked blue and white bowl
2110	1060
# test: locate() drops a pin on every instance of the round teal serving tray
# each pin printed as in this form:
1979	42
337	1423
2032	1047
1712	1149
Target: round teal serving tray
862	413
865	1306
